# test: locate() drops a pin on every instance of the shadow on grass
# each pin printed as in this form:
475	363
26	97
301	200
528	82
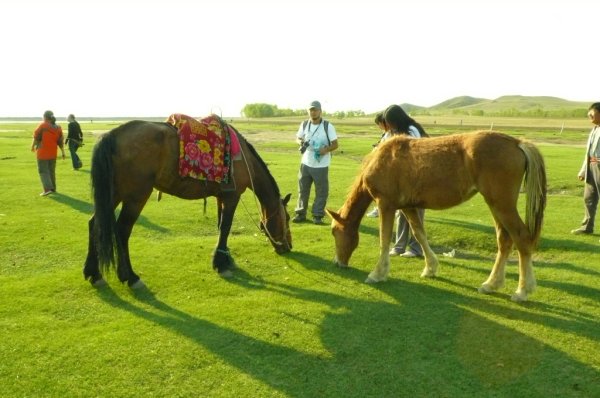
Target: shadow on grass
88	208
426	327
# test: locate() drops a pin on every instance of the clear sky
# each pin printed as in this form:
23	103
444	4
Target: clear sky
157	57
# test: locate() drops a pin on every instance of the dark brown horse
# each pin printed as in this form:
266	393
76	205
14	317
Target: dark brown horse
438	173
133	159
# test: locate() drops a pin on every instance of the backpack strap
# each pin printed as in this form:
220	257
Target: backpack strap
325	126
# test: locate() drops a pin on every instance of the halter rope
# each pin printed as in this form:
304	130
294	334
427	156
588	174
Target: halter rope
257	205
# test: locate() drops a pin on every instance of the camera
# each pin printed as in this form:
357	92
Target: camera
304	146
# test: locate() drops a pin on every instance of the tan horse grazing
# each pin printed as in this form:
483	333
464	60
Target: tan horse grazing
133	159
438	173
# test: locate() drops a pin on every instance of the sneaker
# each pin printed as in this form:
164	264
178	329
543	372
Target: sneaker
46	193
298	218
581	230
373	213
318	220
395	252
409	254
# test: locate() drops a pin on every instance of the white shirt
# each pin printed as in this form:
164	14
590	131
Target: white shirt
315	135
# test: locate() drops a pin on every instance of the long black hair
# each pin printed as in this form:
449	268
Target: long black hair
398	121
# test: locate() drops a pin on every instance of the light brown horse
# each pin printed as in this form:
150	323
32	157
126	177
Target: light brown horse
438	173
133	159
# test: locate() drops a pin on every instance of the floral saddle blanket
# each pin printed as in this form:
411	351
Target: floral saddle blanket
206	147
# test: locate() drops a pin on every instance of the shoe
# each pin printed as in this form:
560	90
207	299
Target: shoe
395	252
46	193
581	230
298	218
318	220
409	254
373	213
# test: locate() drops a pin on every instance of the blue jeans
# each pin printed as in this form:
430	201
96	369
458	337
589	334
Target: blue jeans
73	146
404	236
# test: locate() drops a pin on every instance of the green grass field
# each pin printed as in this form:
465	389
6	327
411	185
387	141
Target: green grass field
291	325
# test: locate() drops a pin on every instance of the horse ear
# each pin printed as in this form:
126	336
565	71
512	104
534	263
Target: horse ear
335	216
286	199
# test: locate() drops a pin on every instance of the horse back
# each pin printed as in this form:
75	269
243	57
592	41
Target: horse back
442	172
144	152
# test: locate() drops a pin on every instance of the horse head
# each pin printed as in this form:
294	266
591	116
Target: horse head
346	239
277	227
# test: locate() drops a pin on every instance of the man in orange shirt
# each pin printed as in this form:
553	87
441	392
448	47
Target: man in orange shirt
47	138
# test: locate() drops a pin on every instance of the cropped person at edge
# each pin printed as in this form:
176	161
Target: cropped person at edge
590	173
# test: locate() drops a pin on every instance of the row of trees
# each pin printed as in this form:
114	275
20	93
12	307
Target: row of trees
259	110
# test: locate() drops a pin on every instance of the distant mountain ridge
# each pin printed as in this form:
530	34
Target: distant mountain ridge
501	105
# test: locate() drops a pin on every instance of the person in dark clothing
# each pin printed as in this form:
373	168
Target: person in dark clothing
74	140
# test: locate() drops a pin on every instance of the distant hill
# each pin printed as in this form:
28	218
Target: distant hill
508	105
459	102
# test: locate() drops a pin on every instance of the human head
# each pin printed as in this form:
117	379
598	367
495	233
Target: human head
314	111
71	118
49	117
380	121
594	113
396	119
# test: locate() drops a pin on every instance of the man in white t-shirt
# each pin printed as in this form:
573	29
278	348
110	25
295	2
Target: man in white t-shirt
317	139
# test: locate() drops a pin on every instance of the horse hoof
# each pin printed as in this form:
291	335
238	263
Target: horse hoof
99	283
428	274
519	297
226	274
138	285
484	290
371	281
340	265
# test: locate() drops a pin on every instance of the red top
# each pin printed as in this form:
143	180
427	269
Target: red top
48	138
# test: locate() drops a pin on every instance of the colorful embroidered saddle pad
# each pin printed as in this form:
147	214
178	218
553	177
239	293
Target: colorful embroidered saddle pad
206	147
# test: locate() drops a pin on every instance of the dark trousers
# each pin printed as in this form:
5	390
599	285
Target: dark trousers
73	147
590	195
306	177
47	171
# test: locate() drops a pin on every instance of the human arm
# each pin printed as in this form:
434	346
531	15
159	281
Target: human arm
329	148
37	138
61	145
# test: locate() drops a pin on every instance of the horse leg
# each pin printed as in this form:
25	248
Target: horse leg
417	229
91	271
496	279
519	233
223	263
386	228
130	212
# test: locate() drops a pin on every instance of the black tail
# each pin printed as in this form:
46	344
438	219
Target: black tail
105	232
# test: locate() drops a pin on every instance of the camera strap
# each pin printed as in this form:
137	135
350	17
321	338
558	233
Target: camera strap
312	133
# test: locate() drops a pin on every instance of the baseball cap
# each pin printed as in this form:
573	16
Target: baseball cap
315	104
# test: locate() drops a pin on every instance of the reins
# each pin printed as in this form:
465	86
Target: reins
257	204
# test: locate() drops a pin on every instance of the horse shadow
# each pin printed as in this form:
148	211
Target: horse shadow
469	340
88	209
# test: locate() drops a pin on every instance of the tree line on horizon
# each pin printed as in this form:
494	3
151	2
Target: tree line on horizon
263	110
260	110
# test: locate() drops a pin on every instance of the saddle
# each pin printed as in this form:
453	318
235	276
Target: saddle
206	148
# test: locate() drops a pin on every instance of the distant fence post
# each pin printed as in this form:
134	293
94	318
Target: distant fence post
492	126
562	127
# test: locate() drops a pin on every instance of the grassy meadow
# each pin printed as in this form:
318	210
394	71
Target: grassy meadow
292	325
